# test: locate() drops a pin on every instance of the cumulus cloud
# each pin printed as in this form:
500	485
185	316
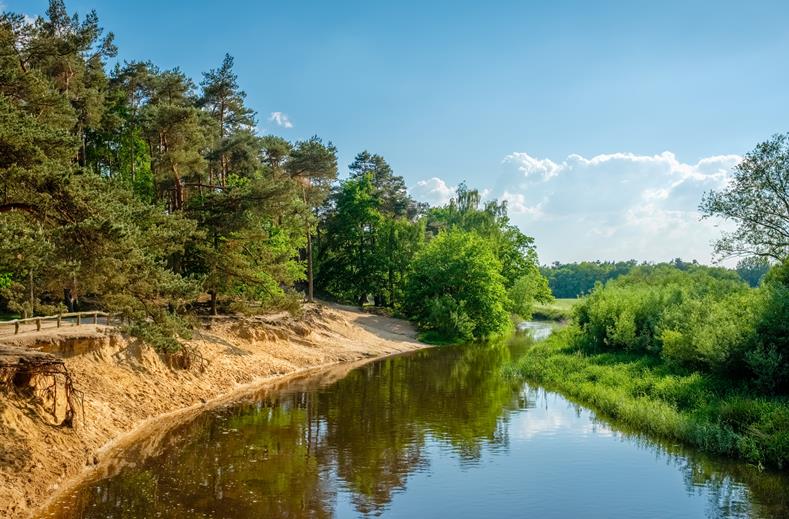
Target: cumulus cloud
434	191
280	119
610	206
616	206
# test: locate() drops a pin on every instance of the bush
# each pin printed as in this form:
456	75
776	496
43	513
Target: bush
703	319
456	290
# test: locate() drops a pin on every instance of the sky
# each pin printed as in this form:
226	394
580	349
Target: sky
601	123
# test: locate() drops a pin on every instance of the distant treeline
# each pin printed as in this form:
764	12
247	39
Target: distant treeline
569	280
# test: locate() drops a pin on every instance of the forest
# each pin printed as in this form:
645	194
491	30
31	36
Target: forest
149	194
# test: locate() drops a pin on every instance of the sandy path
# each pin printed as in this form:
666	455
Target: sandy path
132	395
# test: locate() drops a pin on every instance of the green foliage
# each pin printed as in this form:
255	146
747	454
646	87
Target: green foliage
647	394
456	288
366	239
556	310
135	190
162	332
530	288
701	318
514	250
753	269
571	280
756	200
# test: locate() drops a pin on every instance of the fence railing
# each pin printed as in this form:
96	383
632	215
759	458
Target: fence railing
68	319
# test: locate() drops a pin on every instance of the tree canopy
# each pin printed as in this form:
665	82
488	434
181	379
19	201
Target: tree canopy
757	200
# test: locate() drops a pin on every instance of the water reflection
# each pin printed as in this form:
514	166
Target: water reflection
435	433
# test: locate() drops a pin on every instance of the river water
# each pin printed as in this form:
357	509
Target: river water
441	432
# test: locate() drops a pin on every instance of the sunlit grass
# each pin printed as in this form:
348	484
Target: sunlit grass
557	310
645	394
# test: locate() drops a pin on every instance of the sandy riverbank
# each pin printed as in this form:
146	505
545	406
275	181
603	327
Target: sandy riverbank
129	389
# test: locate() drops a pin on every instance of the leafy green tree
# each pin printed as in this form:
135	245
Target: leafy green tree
70	53
350	267
571	280
456	289
753	269
176	134
757	200
117	149
530	288
514	250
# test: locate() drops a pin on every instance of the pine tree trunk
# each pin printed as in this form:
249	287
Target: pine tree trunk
310	289
32	296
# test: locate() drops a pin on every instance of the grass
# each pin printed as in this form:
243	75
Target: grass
645	394
557	310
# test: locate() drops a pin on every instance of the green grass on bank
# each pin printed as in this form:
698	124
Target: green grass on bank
646	394
557	310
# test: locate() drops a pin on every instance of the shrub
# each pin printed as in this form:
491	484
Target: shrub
456	289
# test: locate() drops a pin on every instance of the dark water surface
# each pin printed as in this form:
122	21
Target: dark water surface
435	433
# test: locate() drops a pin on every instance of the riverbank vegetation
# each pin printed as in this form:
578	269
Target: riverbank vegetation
697	357
692	353
141	191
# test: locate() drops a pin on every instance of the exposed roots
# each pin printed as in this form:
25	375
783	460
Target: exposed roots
40	374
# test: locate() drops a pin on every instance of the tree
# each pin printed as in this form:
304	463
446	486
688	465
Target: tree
224	100
753	269
757	200
176	134
349	264
456	290
530	288
313	165
71	54
514	250
390	189
569	280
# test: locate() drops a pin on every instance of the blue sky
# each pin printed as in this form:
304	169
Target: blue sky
509	96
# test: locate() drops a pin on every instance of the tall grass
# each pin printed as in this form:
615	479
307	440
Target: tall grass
557	310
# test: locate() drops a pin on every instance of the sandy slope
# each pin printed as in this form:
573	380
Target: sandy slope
130	391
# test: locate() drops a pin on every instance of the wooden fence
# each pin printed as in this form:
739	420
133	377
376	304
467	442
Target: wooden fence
68	319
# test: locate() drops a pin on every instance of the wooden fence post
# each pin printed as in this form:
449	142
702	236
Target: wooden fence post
79	319
59	318
16	327
95	318
38	324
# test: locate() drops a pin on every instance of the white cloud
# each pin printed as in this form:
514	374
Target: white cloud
280	119
516	204
434	191
613	206
616	206
546	168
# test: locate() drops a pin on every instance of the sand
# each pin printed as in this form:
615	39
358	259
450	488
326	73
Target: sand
130	391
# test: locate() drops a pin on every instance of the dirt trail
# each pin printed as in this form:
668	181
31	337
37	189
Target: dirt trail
131	392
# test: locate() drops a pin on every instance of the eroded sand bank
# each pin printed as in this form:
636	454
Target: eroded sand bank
130	391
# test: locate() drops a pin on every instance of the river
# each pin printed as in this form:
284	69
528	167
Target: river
442	432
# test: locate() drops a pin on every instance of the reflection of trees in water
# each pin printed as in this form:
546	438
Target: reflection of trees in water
379	416
277	457
734	489
288	454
